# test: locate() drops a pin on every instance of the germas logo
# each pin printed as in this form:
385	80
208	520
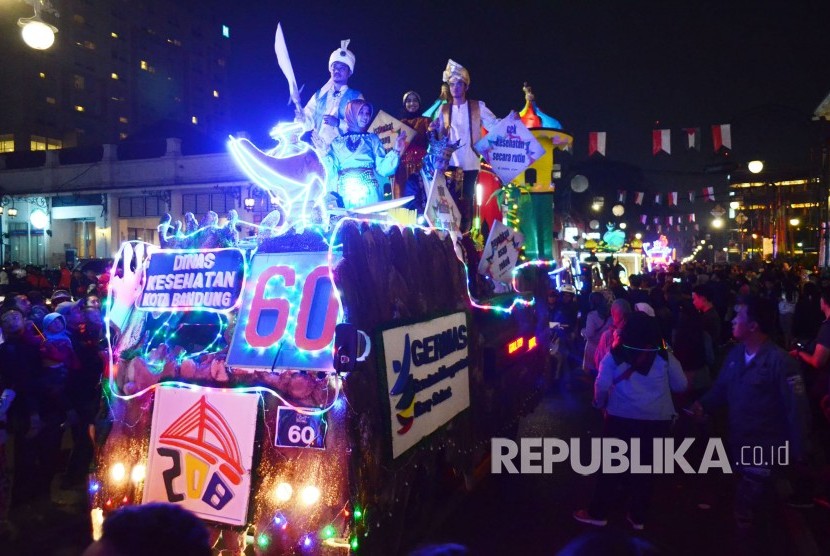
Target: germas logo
200	443
421	352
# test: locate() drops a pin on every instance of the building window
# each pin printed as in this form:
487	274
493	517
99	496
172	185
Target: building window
200	203
141	234
123	120
226	31
215	93
78	82
89	45
7	143
122	135
114	76
194	120
42	75
114	35
78	18
147	67
50	100
139	207
38	143
79	108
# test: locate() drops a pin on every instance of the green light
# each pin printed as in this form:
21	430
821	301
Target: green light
353	543
328	532
263	540
358	513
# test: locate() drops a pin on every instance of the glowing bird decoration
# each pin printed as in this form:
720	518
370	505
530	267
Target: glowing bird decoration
292	174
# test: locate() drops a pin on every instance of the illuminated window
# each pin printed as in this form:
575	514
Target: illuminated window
122	119
194	120
114	35
38	143
122	135
50	100
79	108
78	18
215	93
42	75
226	31
174	42
7	143
78	82
114	75
144	64
89	45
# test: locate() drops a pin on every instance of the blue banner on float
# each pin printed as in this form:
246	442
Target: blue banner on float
186	280
288	314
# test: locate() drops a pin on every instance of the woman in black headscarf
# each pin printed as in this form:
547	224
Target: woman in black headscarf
413	157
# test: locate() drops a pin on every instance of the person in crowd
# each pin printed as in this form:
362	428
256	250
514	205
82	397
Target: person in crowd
703	300
38	308
461	120
762	390
19	372
786	311
59	296
73	315
634	388
157	528
620	309
65	279
80	284
807	317
413	157
357	157
596	323
694	348
637	292
325	111
4	280
92	301
437	160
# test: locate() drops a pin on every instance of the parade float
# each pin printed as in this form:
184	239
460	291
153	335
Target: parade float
322	385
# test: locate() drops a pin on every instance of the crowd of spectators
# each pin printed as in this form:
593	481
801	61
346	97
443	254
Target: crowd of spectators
52	358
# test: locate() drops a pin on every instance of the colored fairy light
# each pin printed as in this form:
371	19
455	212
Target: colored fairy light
353	544
358	513
283	492
94	486
307	541
328	532
310	495
263	540
280	520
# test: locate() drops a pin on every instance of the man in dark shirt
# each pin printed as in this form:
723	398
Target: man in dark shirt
703	299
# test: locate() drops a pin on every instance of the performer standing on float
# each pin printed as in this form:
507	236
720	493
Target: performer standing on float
355	157
413	156
325	111
461	119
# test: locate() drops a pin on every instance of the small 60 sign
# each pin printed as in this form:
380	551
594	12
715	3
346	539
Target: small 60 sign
295	430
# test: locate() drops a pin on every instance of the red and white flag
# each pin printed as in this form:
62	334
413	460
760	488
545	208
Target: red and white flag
661	141
692	137
657	199
722	136
596	142
638	197
620	196
643	219
691	196
670	220
656	220
709	193
692	217
673	199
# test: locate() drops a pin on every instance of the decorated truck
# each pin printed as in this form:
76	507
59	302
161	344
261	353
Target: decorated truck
321	386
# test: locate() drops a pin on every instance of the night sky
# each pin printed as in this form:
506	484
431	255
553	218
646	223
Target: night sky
609	66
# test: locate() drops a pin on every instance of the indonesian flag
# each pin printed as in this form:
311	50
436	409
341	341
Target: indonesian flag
677	227
697	227
643	219
638	197
670	220
692	137
722	136
620	196
673	198
709	193
661	141
691	196
657	199
596	142
692	217
656	220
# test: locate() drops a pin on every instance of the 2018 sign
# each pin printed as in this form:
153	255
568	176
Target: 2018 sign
288	314
296	430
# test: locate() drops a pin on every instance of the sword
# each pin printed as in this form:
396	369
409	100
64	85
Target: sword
284	62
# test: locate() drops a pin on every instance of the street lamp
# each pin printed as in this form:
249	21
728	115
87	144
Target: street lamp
755	166
36	33
717	223
794	221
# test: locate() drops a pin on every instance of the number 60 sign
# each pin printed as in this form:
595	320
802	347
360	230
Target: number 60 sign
288	314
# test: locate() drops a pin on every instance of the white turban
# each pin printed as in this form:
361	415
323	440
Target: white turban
343	55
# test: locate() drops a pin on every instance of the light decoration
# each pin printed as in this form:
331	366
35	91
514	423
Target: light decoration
281	521
269	170
138	473
263	541
658	254
310	495
118	472
519	345
515	345
38	219
283	492
36	33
